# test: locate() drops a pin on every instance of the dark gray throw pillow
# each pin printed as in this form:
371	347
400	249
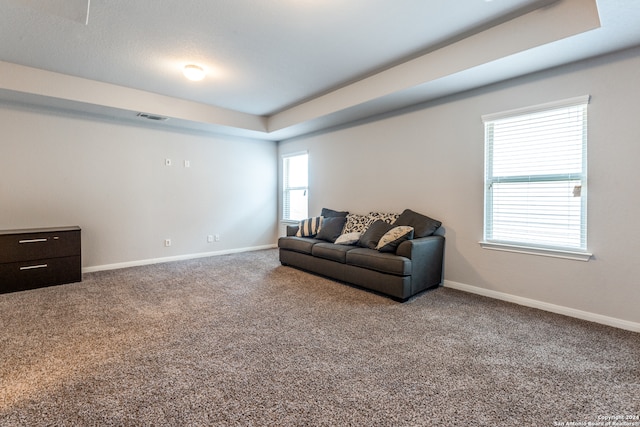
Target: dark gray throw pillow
423	226
374	233
331	228
326	212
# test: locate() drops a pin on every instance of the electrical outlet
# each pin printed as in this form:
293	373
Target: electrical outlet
187	164
167	242
216	237
209	238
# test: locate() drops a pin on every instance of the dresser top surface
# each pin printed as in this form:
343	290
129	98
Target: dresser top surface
39	230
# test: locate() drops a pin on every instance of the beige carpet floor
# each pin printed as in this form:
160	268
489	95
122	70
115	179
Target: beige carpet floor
239	340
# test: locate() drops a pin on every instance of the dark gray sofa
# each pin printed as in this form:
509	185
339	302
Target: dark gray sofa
416	264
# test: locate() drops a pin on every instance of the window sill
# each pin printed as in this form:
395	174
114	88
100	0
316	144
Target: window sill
554	253
289	221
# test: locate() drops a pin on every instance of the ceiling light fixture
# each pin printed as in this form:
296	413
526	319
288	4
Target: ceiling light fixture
193	72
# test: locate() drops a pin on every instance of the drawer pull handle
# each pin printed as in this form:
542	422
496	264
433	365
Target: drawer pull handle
32	267
32	240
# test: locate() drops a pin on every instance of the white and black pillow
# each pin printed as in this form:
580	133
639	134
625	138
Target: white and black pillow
309	227
355	223
348	238
384	216
392	238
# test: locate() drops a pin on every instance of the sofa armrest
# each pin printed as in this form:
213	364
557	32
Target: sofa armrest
419	247
427	258
292	230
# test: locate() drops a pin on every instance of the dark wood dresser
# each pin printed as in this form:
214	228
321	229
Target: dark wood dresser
39	257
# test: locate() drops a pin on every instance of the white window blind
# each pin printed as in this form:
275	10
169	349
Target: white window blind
295	186
535	176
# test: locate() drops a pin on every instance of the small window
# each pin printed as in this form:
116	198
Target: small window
535	178
295	173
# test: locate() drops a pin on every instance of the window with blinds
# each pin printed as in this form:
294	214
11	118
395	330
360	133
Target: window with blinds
295	186
535	176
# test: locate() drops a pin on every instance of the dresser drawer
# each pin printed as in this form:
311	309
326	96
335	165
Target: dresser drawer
19	276
33	245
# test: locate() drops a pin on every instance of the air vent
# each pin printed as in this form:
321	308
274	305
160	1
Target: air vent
153	117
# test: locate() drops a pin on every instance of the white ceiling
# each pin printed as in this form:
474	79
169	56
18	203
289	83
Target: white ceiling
291	66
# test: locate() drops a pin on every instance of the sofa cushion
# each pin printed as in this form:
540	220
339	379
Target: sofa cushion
348	238
371	237
297	244
392	238
331	228
326	212
423	226
309	227
355	223
331	251
379	261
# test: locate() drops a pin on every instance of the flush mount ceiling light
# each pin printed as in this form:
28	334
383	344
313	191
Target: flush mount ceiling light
193	72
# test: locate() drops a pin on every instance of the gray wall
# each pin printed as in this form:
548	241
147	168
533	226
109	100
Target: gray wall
430	158
110	179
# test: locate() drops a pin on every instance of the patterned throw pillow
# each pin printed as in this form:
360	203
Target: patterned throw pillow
309	227
392	238
386	217
389	218
355	223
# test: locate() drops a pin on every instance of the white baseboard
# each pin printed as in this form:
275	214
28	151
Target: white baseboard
173	258
558	309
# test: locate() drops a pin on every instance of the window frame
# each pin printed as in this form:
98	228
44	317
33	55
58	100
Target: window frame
286	189
557	251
